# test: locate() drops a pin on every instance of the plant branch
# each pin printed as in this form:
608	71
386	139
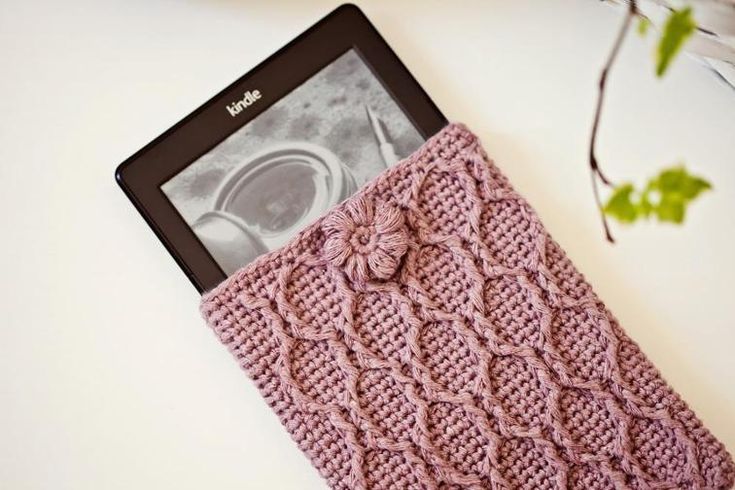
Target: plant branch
595	170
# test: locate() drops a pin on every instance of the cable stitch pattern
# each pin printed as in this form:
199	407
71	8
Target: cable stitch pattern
429	334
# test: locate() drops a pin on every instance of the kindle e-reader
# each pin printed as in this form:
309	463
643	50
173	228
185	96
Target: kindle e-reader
272	152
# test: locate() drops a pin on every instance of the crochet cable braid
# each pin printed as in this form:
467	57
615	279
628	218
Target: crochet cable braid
429	334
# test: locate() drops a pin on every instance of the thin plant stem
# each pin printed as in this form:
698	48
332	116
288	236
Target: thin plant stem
596	172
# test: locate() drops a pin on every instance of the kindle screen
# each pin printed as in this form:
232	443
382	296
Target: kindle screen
284	168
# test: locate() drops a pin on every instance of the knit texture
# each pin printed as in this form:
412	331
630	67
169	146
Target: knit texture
429	334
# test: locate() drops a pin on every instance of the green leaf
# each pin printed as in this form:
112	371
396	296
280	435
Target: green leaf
678	28
643	24
645	207
671	208
677	180
666	197
620	205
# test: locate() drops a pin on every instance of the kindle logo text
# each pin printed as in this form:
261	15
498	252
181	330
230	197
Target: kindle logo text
249	98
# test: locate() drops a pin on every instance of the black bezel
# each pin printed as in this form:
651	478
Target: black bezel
142	175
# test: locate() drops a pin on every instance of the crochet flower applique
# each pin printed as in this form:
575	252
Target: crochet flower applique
367	242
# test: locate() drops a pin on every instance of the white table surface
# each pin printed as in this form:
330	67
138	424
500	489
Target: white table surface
108	377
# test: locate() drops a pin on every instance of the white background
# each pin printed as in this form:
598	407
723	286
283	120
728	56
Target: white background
108	377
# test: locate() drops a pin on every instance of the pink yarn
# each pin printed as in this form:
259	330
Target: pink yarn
428	333
367	244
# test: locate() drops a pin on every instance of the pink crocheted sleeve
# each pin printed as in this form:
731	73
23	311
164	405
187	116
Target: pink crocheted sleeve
428	333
